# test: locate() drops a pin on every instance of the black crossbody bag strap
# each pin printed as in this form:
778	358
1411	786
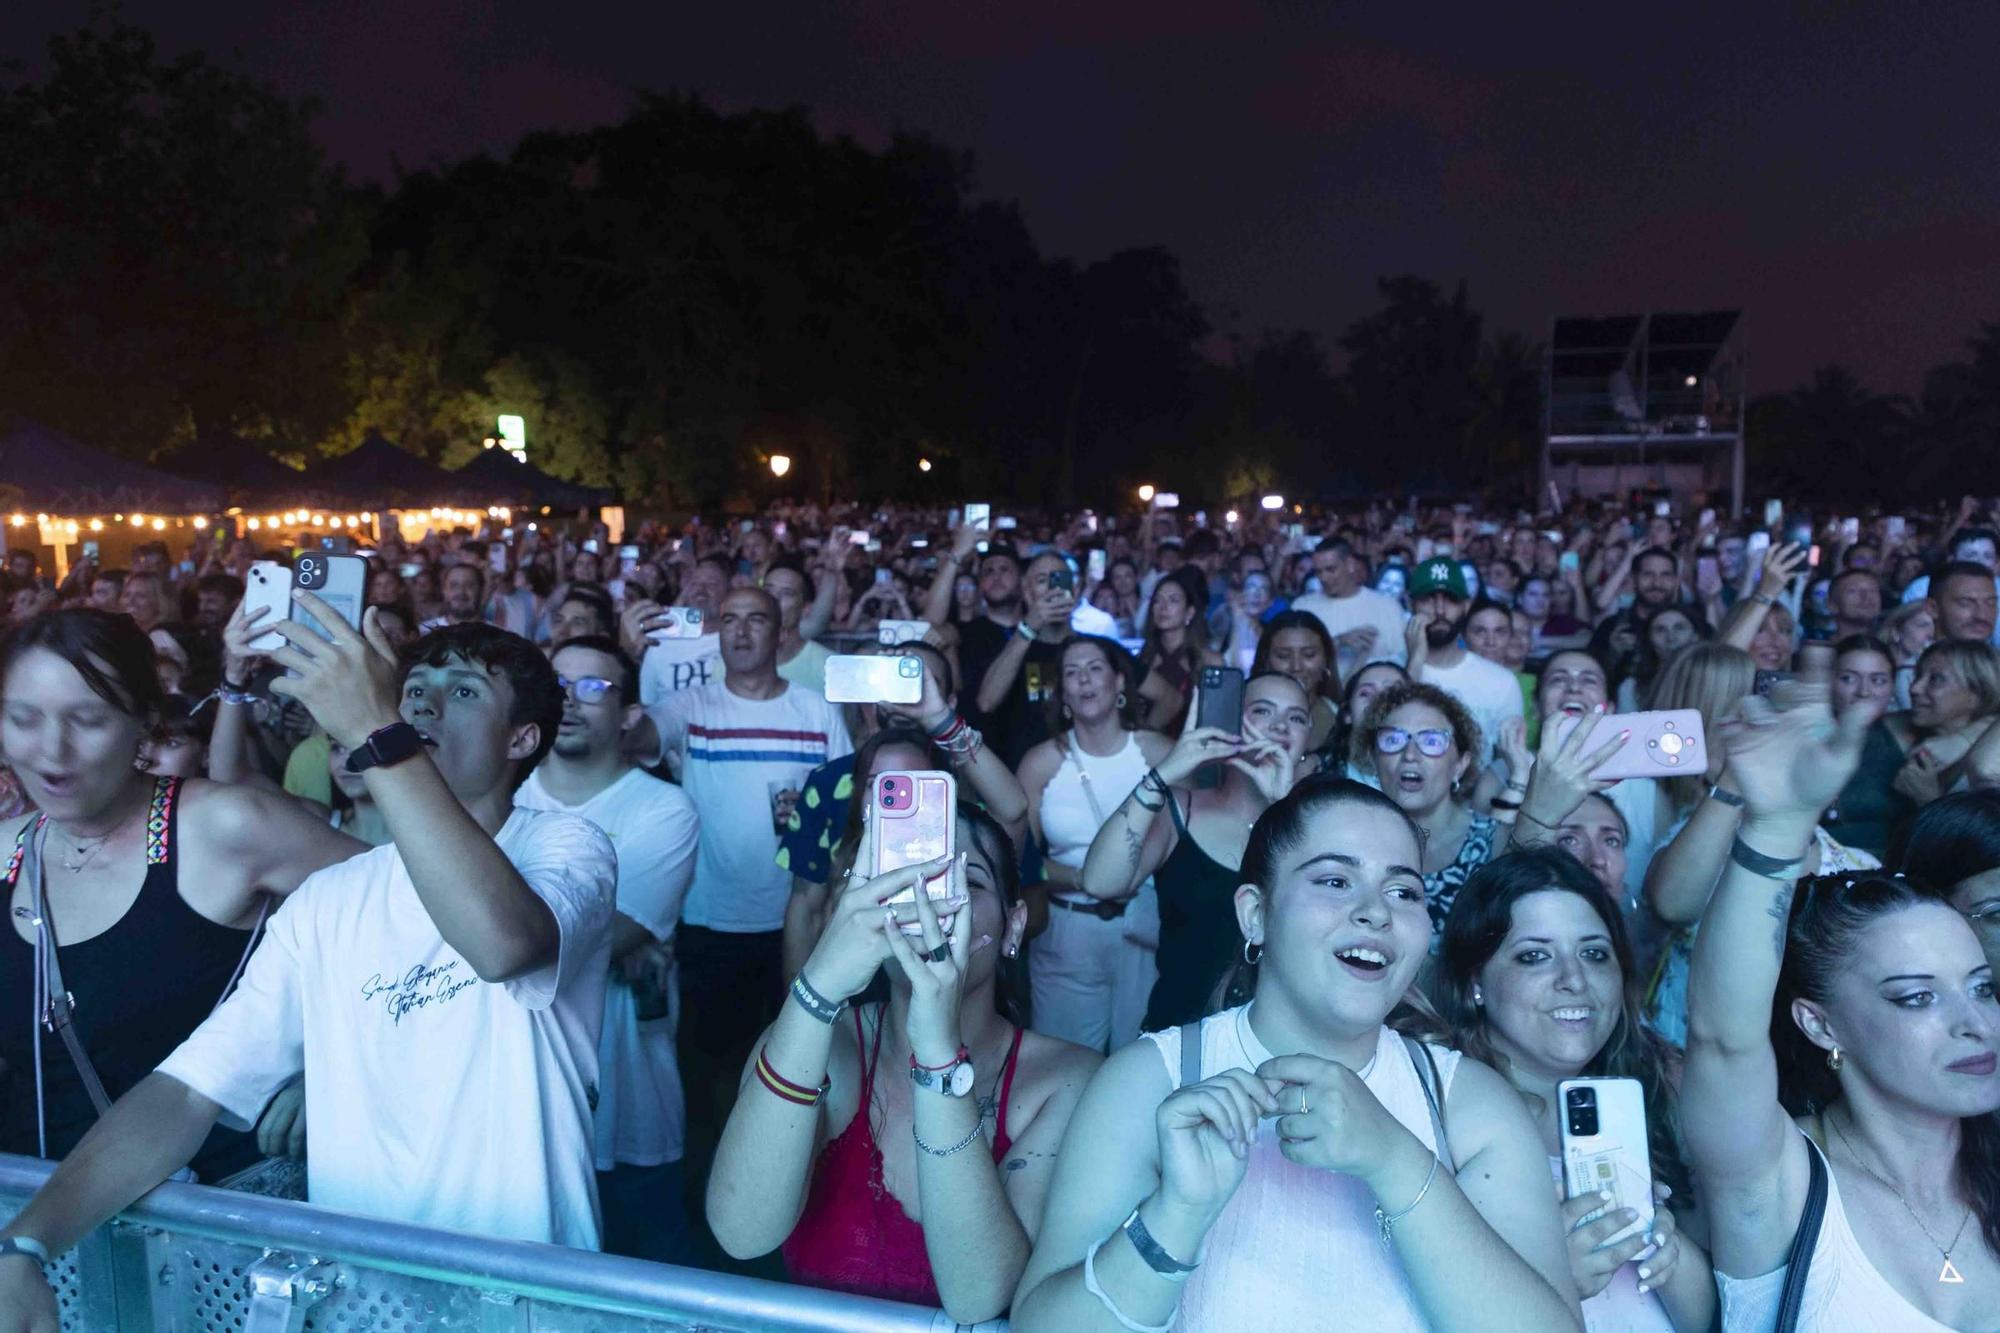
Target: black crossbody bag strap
1799	1262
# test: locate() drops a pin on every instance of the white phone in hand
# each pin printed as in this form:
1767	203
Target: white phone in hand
270	587
1602	1123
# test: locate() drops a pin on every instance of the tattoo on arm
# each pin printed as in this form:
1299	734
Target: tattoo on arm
1780	912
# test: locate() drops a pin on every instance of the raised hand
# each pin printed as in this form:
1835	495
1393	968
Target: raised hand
1562	774
1206	1130
1781	565
854	943
936	983
1197	746
1788	756
348	684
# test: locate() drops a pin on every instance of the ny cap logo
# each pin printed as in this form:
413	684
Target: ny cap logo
1440	570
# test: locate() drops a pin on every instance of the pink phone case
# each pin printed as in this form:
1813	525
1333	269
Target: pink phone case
1667	744
914	814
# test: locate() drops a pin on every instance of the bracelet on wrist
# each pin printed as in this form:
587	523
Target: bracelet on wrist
959	1058
1781	868
1154	1253
1720	793
1543	823
1501	803
1386	1224
778	1085
971	1137
825	1010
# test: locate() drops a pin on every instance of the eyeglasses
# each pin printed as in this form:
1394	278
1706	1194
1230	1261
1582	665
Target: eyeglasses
586	689
1430	741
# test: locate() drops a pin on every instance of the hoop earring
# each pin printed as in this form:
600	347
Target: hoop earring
1121	700
1252	959
1834	1059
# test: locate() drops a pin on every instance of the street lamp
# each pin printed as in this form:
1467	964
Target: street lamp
1146	493
923	465
1231	517
780	464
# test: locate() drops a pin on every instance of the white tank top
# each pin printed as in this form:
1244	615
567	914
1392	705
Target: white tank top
1083	793
1297	1247
1844	1292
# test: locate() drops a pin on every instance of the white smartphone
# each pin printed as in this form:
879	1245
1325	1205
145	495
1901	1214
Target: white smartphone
1094	567
1667	744
978	516
1895	530
889	633
1604	1146
269	587
853	679
685	624
1007	521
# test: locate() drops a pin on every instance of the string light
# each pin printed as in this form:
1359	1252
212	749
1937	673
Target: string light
199	523
97	525
138	520
253	525
19	520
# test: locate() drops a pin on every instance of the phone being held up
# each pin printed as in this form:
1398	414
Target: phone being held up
913	816
1605	1148
1218	703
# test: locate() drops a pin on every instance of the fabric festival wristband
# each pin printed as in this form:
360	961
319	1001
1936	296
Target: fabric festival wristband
958	1059
1757	863
1111	1306
797	1094
810	1000
1727	797
1500	804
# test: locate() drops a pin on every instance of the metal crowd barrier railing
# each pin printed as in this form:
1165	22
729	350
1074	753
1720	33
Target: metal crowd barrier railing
194	1259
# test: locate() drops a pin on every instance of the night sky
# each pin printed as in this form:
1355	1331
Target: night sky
1830	167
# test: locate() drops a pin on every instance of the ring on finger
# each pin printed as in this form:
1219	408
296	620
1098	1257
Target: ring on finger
939	954
1303	1108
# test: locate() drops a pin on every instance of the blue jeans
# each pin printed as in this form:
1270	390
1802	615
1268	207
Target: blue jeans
645	1214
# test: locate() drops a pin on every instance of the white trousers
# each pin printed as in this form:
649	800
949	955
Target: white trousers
1089	980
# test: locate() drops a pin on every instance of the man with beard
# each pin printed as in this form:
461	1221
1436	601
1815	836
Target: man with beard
464	597
653	827
1966	602
982	639
1656	585
740	742
1015	687
1439	600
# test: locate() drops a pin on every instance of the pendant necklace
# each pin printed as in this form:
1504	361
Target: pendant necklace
1949	1274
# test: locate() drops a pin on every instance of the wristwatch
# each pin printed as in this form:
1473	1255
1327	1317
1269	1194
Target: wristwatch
388	745
954	1080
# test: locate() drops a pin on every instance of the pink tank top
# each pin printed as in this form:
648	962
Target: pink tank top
854	1235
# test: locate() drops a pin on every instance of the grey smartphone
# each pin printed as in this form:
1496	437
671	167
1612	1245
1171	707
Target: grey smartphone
1218	702
853	679
341	581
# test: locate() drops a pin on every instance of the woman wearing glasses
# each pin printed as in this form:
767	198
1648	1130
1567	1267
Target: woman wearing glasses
1422	742
1190	839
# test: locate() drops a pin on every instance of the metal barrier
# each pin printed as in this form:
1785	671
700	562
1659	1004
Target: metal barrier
194	1259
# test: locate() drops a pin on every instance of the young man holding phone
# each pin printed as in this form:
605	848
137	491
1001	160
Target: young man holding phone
405	984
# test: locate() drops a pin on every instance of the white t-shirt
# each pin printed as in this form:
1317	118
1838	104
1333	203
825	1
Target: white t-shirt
729	751
1489	691
1365	609
807	667
641	1114
673	665
432	1097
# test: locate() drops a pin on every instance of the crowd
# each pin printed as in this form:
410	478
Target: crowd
544	905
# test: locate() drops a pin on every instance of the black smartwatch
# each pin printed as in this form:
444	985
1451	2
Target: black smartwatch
390	745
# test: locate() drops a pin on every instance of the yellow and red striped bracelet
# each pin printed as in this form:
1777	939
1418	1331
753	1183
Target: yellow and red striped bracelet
796	1093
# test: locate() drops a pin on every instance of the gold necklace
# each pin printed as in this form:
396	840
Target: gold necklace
1949	1274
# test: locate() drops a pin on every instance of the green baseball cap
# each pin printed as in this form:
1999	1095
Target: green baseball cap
1439	574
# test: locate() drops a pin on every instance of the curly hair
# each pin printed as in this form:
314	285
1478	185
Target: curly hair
1464	731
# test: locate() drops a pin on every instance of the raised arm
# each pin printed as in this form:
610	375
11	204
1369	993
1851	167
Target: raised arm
1140	835
1561	778
937	602
1781	563
764	1162
998	790
832	569
1682	874
1790	760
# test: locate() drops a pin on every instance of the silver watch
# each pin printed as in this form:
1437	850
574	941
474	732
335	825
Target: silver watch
954	1080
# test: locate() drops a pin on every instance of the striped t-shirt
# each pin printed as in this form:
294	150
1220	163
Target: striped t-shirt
730	751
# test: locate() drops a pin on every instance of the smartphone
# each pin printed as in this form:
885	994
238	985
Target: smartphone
1569	560
1667	744
1812	556
1708	564
1774	513
90	552
1707	519
1764	680
882	575
1166	500
1218	702
852	679
1894	529
1090	522
339	545
409	571
1850	531
889	633
747	526
1064	578
1094	569
270	587
686	624
1662	508
590	545
858	539
1006	522
496	556
1605	1148
341	581
979	516
628	556
1754	547
914	813
1800	533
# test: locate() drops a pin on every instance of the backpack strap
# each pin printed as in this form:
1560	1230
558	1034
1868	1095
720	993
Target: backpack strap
1432	1083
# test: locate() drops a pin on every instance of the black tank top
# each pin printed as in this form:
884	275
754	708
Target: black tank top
1199	937
140	987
